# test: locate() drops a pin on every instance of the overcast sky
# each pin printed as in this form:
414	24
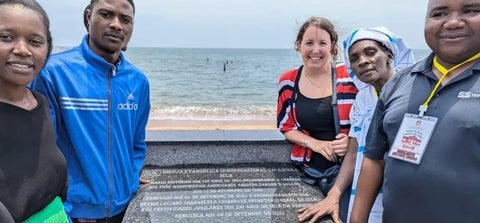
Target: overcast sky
242	23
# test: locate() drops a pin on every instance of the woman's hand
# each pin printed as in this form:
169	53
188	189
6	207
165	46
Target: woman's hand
340	145
325	148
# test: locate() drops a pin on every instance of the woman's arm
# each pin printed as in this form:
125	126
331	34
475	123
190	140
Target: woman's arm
330	204
368	186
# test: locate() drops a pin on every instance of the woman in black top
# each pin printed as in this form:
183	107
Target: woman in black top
33	176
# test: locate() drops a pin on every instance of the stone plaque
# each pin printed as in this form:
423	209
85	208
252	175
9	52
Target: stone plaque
266	193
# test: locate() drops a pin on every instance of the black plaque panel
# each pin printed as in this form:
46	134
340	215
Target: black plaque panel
266	193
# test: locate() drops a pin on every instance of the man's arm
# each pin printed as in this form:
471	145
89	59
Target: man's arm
42	84
140	146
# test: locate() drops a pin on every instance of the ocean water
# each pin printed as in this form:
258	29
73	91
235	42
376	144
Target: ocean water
219	84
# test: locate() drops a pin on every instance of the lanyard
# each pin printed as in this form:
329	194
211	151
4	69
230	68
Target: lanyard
423	108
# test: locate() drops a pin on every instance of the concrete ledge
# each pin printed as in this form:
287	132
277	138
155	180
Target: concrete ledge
213	135
187	147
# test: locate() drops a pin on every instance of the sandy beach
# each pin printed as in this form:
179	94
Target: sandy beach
192	124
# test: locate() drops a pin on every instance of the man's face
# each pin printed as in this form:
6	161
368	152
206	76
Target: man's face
452	29
110	25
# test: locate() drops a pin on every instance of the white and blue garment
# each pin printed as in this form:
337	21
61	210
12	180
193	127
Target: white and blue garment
366	99
402	54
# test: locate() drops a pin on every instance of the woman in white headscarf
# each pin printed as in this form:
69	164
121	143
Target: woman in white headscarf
372	56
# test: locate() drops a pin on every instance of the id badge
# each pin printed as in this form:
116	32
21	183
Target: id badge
412	138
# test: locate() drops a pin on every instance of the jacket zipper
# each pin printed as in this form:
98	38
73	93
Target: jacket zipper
111	74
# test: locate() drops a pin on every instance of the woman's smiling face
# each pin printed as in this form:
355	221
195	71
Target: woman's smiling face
315	47
23	44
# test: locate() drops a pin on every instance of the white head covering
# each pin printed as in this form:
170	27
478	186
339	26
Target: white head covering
402	54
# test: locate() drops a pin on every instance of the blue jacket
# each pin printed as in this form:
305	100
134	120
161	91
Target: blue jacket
100	112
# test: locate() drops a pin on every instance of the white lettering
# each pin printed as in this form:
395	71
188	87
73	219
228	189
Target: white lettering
128	106
464	94
468	94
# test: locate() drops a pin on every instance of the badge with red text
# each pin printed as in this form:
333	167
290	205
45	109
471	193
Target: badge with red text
412	138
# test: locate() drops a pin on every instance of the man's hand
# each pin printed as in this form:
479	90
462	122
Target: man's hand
144	181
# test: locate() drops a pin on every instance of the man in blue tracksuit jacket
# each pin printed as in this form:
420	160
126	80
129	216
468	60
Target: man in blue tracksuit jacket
100	106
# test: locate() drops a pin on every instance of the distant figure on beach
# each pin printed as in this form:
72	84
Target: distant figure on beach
100	106
373	55
435	179
33	171
313	107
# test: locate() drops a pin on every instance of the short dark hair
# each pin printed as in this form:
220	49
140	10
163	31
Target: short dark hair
90	6
35	6
93	2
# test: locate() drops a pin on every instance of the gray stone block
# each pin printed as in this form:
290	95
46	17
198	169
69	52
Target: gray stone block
260	193
219	176
169	148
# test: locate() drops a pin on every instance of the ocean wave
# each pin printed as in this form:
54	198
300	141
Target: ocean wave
209	112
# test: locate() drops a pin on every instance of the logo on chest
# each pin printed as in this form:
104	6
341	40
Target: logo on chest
468	94
130	105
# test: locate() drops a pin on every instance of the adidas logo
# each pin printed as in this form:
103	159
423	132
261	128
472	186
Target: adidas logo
129	105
